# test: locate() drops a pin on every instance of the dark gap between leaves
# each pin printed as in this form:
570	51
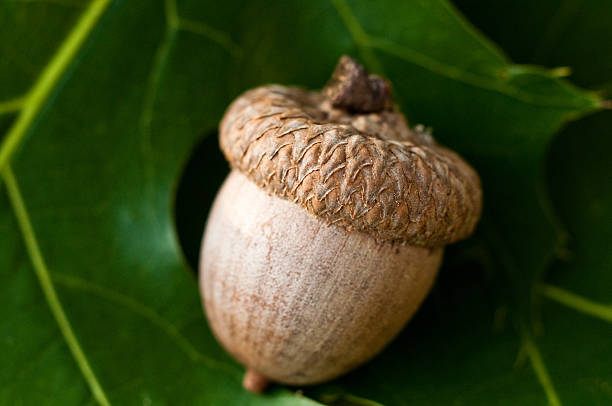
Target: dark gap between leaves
199	183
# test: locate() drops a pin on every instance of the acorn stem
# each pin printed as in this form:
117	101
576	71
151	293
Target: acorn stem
254	382
352	88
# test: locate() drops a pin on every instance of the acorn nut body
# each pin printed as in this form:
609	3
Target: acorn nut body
328	233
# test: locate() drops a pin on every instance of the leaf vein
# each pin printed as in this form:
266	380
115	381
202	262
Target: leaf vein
576	302
146	116
361	38
539	368
149	314
50	77
463	76
12	105
366	43
528	346
206	31
46	284
160	61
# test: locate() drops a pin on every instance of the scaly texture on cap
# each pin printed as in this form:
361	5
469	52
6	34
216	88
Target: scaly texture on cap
362	170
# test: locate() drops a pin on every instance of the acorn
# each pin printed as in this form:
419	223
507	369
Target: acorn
329	231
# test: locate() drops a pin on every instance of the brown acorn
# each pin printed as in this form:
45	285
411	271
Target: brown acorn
329	231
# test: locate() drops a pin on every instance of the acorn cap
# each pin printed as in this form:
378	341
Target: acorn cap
347	156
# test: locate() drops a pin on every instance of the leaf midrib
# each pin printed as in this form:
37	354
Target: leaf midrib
29	108
50	77
576	302
46	284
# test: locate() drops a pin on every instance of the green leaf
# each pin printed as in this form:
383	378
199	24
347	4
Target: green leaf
577	298
573	34
101	110
576	311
